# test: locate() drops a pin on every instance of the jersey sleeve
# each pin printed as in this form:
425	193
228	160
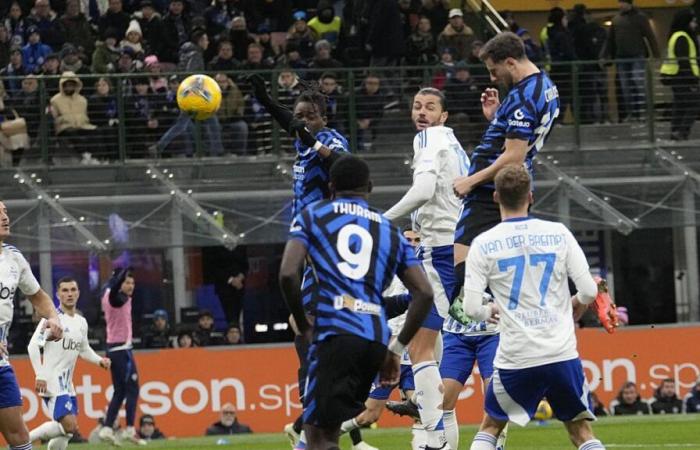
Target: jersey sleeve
86	352
521	121
34	351
299	229
476	270
334	141
27	282
431	148
578	270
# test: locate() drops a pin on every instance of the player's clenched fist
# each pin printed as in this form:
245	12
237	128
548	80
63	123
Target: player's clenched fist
40	387
105	363
55	330
490	103
390	370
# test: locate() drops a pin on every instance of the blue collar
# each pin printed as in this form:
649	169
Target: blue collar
518	219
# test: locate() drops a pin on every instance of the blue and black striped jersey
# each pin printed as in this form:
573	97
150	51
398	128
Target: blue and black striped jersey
527	113
355	252
311	171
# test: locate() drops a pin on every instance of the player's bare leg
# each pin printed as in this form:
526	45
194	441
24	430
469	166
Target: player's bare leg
489	431
13	428
581	435
322	438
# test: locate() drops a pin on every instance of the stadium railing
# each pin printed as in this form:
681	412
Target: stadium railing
596	111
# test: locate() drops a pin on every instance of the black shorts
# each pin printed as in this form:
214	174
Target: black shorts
477	216
302	348
341	371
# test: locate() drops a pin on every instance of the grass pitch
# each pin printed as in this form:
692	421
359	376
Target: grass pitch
645	432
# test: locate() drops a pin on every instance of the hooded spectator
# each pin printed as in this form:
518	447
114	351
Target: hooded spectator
240	37
323	58
326	25
78	30
456	35
301	36
50	28
16	24
133	39
666	401
34	52
106	54
115	18
151	28
628	402
71	62
224	60
14	69
692	400
70	118
192	53
176	31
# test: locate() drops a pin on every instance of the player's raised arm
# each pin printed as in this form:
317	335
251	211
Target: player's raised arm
514	153
117	297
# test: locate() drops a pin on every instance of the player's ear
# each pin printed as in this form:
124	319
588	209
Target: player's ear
443	117
496	198
530	198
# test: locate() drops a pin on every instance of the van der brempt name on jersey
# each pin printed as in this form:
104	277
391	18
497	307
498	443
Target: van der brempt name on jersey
347	302
356	210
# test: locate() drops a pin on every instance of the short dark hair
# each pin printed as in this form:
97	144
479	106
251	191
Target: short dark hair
66	279
350	173
325	75
502	46
437	93
311	94
513	185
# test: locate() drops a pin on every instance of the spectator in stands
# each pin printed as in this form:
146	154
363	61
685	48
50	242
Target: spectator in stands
16	24
127	64
270	51
133	39
152	29
28	106
228	424
115	18
13	70
464	94
34	52
184	340
50	69
369	104
628	38
301	36
680	71
254	59
628	402
157	335
4	45
326	25
323	58
598	408
141	115
385	42
692	400
192	53
71	62
560	46
666	401
276	13
335	104
292	58
50	28
234	129
78	30
233	336
102	109
106	54
158	83
69	111
218	18
437	12
445	69
422	49
240	37
456	35
589	39
147	429
224	60
203	335
176	31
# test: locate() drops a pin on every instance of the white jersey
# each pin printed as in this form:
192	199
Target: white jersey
14	273
473	327
526	262
59	358
437	150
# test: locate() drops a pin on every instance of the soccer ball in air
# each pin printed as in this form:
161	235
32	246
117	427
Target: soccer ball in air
199	96
544	411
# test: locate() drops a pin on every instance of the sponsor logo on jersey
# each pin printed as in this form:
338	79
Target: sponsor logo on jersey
6	292
299	172
517	120
69	344
551	93
347	302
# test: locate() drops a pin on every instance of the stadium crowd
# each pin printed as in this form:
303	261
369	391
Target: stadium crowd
76	41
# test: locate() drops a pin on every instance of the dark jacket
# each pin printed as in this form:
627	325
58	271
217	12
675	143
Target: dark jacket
176	31
152	35
157	434
637	408
80	33
223	65
627	34
560	44
119	21
102	110
154	338
421	48
460	41
50	29
191	58
666	405
692	401
237	428
385	33
465	97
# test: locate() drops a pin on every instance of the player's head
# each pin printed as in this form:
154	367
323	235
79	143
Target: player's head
429	108
4	222
513	189
310	107
350	178
147	425
129	284
411	236
67	292
667	388
503	54
228	414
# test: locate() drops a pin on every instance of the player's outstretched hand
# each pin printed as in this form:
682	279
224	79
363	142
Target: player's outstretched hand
55	330
604	307
462	186
490	103
105	363
298	127
40	387
258	84
390	370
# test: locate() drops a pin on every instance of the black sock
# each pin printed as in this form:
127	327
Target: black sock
298	424
356	436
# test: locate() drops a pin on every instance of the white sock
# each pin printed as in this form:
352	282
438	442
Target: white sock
302	439
483	441
418	441
593	444
27	446
46	431
501	442
348	426
429	400
451	428
59	443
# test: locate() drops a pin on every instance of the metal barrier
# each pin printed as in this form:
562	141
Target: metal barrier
135	116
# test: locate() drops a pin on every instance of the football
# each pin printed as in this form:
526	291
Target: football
544	411
199	96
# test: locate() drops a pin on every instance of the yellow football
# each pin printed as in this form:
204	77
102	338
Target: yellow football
199	96
544	411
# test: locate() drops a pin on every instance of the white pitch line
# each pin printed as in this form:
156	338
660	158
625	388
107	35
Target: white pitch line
681	445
